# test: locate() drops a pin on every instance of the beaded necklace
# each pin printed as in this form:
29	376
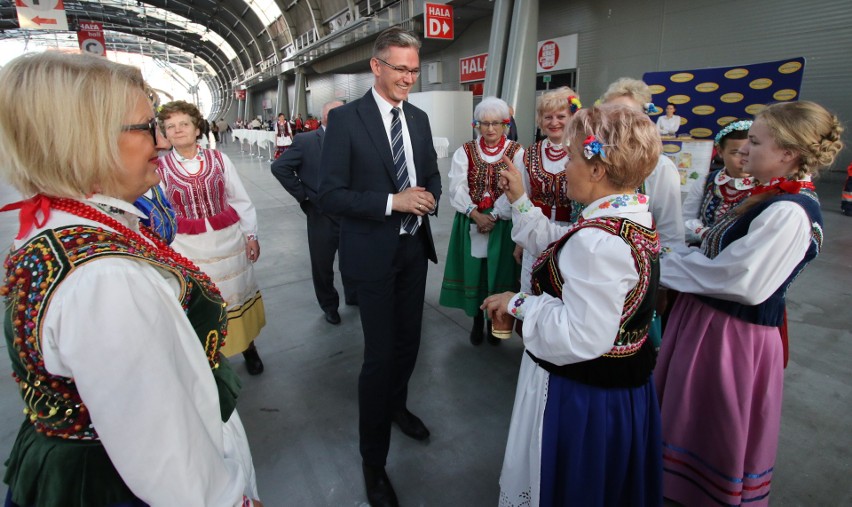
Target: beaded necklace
492	151
554	152
162	250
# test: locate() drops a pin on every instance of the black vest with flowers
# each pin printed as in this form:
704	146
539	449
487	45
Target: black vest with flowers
630	361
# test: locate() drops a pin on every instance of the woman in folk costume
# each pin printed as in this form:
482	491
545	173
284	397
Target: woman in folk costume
283	135
720	372
114	337
722	190
543	167
585	426
479	256
217	225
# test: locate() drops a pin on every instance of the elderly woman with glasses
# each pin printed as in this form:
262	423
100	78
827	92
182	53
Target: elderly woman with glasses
217	224
480	255
114	338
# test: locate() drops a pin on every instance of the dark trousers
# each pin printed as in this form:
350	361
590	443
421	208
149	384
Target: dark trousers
323	240
391	317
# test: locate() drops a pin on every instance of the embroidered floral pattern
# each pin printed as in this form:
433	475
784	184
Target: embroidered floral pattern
524	207
624	200
517	303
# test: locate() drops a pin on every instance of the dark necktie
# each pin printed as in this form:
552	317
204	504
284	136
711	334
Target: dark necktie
409	221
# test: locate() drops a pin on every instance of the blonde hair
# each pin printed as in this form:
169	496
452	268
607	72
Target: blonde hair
60	120
631	142
805	128
633	88
553	101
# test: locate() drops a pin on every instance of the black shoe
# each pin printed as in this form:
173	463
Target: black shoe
410	424
476	335
380	493
332	317
253	363
492	340
352	301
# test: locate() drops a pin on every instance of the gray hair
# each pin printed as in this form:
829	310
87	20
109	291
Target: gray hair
491	107
394	37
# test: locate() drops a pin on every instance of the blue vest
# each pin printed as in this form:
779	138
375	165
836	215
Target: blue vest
771	311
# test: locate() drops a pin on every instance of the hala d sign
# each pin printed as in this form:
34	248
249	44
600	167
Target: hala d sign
438	21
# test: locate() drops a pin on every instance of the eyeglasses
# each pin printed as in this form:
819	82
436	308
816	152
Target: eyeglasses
402	70
491	124
182	124
151	127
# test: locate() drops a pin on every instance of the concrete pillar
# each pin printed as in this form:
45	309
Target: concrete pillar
518	88
300	105
283	100
497	43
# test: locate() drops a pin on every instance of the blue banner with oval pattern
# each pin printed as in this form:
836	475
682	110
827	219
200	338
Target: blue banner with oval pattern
708	99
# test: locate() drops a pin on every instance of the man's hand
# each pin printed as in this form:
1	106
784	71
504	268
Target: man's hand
415	200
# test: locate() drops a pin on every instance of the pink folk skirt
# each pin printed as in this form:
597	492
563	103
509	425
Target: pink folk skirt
720	382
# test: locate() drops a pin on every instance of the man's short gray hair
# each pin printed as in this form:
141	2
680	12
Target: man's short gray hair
394	37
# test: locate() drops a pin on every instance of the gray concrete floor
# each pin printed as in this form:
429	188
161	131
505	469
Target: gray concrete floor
301	414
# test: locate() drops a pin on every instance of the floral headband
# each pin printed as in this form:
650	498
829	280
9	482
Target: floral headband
574	103
650	108
592	146
734	125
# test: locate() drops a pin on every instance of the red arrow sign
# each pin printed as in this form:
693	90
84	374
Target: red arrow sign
43	21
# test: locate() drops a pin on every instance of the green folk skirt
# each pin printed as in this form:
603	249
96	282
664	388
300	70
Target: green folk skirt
468	280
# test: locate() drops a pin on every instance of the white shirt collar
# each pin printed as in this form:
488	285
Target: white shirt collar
616	204
384	106
114	202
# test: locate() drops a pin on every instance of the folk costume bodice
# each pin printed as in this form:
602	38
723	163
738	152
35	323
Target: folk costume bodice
722	193
483	177
52	402
631	358
197	197
548	190
732	227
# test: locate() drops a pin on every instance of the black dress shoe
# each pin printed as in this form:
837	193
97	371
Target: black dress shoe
410	424
380	493
332	317
353	301
253	363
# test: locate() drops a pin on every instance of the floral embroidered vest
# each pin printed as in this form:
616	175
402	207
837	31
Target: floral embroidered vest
548	191
483	177
198	197
53	404
630	361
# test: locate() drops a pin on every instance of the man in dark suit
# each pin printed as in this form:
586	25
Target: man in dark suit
298	170
380	175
